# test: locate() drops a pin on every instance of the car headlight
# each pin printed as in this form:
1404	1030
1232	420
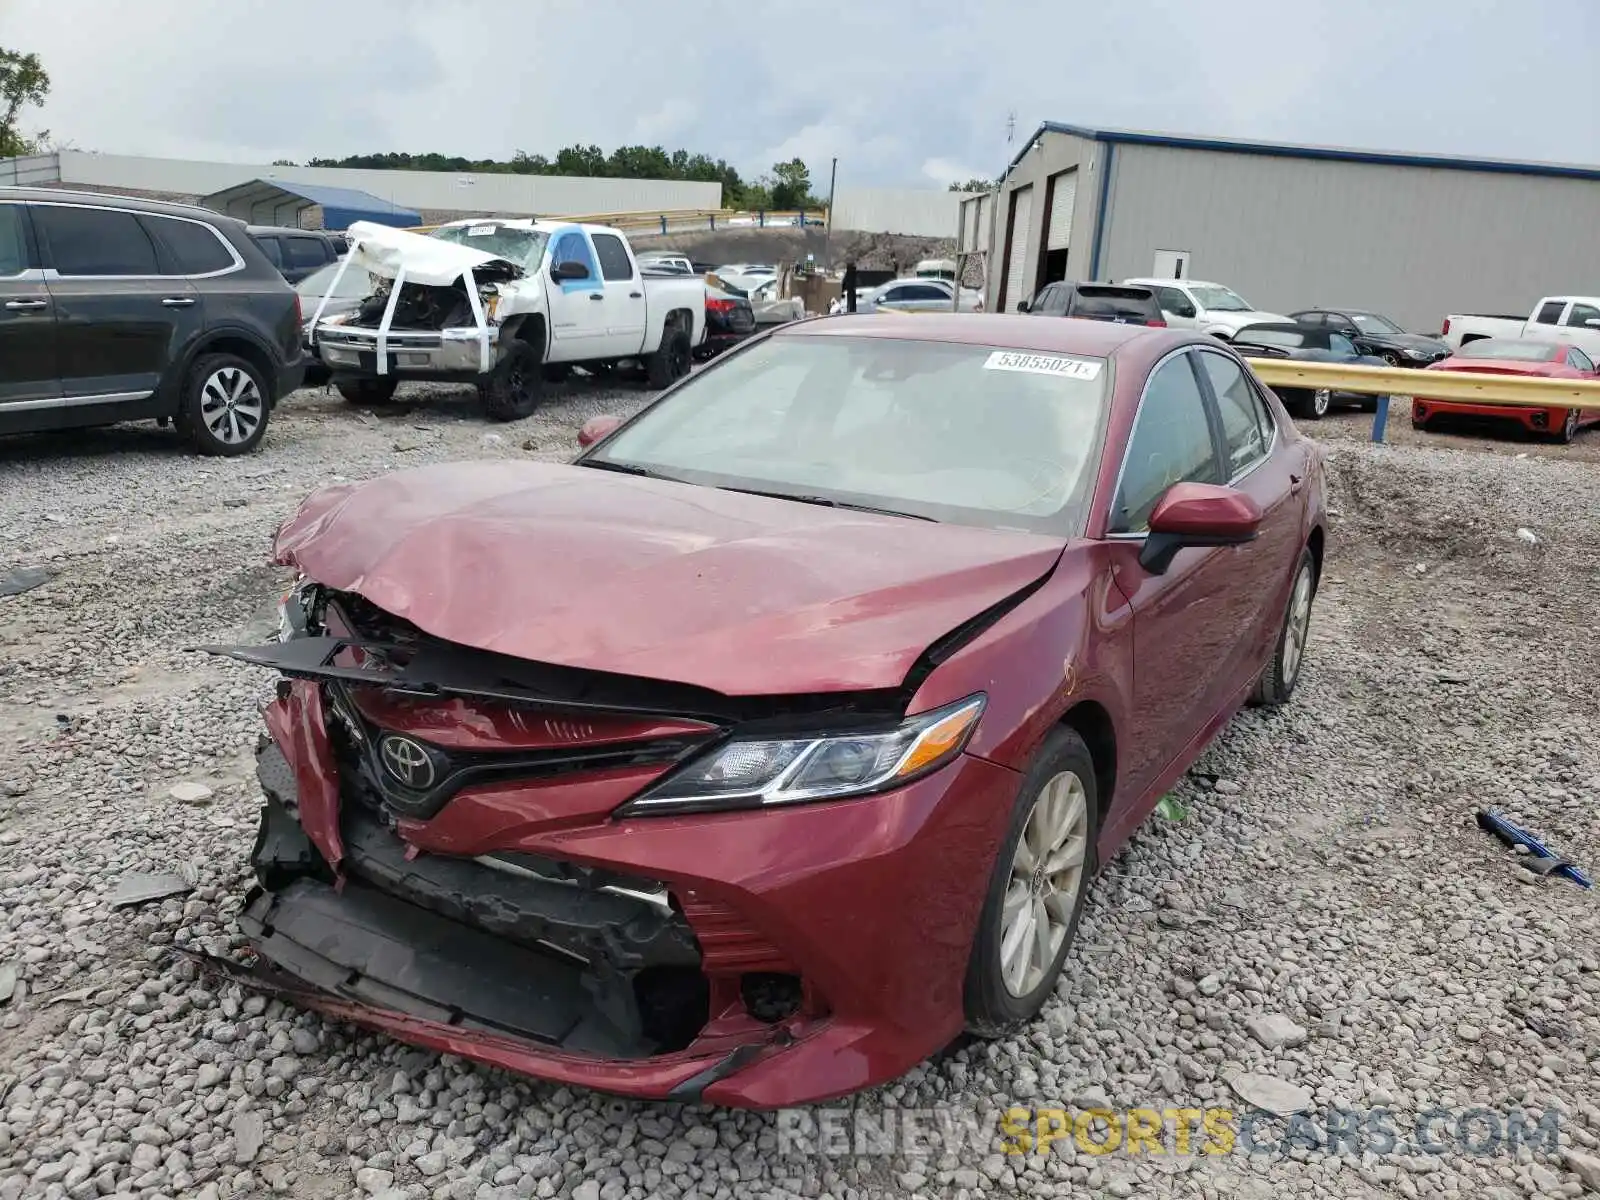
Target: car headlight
746	773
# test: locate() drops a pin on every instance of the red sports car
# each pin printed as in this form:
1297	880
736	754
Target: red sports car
1508	356
757	753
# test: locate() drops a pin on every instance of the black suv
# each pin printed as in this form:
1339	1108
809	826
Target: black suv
1126	304
297	252
113	309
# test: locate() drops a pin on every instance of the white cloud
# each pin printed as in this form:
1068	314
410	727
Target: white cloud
903	93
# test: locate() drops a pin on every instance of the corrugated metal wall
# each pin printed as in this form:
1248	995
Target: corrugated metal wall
911	211
1415	243
33	170
508	194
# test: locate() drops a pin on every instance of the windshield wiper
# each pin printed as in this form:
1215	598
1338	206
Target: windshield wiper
600	464
827	502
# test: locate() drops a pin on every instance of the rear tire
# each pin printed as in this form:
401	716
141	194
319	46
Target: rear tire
671	361
1277	681
225	406
1315	404
516	387
1057	794
1569	427
368	393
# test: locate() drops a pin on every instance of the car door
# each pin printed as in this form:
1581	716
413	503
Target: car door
1262	464
117	318
577	306
1186	620
29	375
1180	310
624	303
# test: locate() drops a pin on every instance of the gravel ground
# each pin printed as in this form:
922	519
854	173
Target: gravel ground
1327	893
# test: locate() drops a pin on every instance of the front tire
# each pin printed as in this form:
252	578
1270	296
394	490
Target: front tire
1277	680
671	361
1036	890
1569	428
516	387
225	406
1316	404
368	393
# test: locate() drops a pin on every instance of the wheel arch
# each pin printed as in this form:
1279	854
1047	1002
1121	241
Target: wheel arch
238	343
1091	721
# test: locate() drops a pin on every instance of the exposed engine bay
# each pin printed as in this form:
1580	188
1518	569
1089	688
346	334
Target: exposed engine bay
429	306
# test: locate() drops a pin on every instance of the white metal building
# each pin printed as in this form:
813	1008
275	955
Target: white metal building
426	191
1413	236
916	212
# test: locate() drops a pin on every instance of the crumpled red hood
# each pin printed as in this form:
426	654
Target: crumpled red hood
585	568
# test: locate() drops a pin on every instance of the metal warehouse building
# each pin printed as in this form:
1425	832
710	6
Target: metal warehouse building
1414	236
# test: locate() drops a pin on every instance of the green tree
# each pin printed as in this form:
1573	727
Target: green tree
973	185
791	187
23	81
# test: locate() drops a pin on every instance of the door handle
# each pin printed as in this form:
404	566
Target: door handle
1296	482
178	301
26	305
597	295
636	295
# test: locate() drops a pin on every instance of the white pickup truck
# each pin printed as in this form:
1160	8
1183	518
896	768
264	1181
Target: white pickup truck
505	304
1571	319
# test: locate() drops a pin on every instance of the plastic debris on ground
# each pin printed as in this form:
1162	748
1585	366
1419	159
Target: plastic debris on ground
1540	859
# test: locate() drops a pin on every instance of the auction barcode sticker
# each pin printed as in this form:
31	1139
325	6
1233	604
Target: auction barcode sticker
481	231
1043	364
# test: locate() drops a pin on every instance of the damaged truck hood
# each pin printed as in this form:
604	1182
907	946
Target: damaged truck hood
383	251
578	567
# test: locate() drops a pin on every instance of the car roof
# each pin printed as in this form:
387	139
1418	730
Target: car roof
112	200
1008	331
1145	279
287	229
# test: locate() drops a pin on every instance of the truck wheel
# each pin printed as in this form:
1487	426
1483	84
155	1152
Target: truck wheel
670	362
371	392
225	406
515	388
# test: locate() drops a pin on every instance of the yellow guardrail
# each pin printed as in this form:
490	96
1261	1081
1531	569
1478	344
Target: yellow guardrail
1467	387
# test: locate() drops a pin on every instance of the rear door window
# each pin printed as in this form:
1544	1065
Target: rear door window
192	247
1171	443
614	262
304	253
95	241
1550	312
269	247
1246	427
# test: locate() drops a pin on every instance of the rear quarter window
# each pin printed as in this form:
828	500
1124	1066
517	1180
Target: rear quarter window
192	248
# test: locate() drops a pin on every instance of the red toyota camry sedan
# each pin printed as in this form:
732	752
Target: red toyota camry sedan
756	754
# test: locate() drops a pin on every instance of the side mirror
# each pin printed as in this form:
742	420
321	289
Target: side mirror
596	428
564	272
1024	306
1197	514
1593	322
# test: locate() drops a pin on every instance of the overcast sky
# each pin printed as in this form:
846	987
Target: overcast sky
903	92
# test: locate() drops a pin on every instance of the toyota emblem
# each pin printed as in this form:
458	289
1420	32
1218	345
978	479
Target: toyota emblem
408	761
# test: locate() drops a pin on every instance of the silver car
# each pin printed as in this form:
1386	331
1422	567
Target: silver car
913	295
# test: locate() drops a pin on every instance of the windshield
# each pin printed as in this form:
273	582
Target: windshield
1510	351
1373	323
356	285
1219	299
515	243
972	435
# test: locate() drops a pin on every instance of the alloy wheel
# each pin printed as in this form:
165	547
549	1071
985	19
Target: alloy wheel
1046	872
1298	628
1321	401
231	405
1570	430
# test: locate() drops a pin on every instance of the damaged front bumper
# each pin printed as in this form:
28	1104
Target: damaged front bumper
409	353
754	960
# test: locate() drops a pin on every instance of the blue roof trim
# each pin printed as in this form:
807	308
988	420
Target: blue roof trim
1393	158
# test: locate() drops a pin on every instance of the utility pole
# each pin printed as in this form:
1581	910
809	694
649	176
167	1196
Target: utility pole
827	228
